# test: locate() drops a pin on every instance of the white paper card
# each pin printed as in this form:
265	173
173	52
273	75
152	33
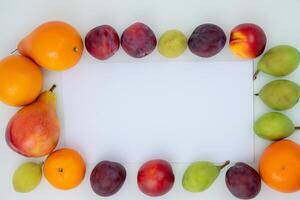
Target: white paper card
179	111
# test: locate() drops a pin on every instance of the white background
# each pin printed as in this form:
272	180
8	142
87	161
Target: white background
280	21
178	111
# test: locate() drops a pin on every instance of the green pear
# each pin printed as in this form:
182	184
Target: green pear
172	44
279	61
280	94
274	126
200	175
27	177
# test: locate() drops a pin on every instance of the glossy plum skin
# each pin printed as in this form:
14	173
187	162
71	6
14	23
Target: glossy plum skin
138	40
207	40
243	181
102	42
155	177
107	178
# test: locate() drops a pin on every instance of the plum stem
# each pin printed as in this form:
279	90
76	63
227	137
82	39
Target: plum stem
224	165
297	127
52	88
13	51
255	74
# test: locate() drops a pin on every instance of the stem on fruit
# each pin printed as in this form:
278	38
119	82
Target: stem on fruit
297	127
52	88
42	163
255	74
75	49
224	165
256	94
13	51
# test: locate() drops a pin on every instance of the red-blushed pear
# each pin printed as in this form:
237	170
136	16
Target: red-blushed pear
34	130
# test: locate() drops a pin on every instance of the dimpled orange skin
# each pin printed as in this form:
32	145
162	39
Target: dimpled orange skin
21	80
64	169
53	45
279	166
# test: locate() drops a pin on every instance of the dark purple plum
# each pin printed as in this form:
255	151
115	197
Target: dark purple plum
107	178
243	181
102	42
207	40
138	40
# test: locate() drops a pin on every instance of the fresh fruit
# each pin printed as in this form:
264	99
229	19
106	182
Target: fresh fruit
155	177
274	126
102	42
54	45
247	40
107	178
280	94
279	166
34	130
279	61
243	181
27	177
21	80
64	168
200	175
207	40
138	40
172	44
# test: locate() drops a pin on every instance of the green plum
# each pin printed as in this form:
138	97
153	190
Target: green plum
27	177
274	126
279	61
200	175
280	94
172	44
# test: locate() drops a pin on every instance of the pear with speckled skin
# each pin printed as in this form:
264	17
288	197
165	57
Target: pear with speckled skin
27	177
279	61
274	126
201	175
172	44
280	94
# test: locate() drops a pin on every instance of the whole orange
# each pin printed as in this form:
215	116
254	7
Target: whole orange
54	45
64	168
21	80
279	166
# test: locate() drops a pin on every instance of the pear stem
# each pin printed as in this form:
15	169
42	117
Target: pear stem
13	51
42	163
256	94
224	165
297	127
255	74
52	88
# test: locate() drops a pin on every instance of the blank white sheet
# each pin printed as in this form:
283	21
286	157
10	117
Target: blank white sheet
179	111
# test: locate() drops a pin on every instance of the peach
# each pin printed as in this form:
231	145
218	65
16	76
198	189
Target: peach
247	40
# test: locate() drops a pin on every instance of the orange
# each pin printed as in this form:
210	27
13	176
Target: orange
21	80
64	168
279	166
54	45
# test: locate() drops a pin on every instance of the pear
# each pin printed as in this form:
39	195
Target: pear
34	130
274	126
279	61
200	175
172	44
280	94
53	45
27	177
